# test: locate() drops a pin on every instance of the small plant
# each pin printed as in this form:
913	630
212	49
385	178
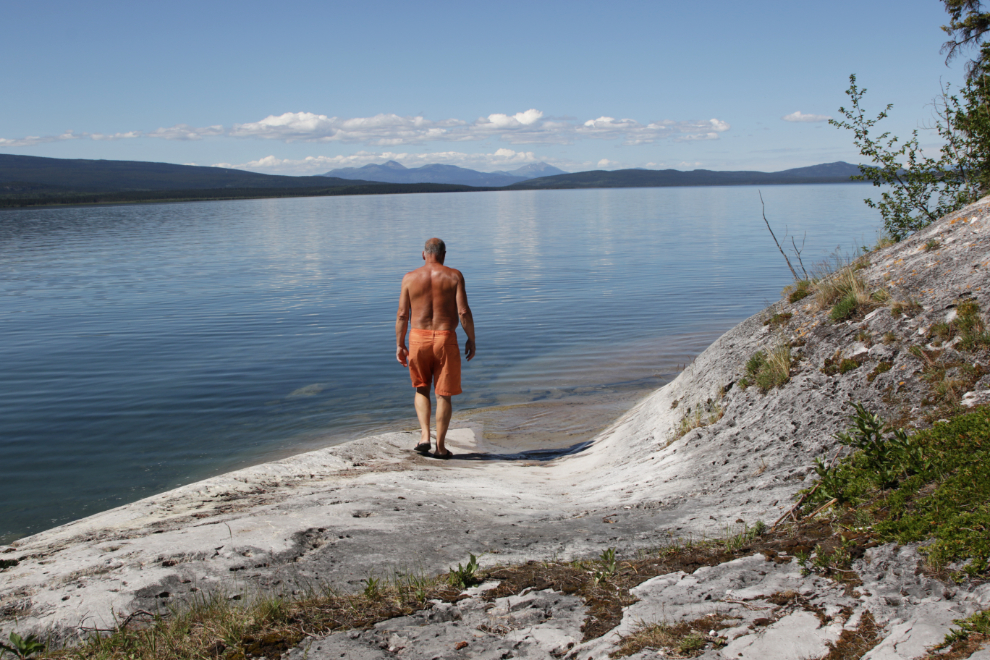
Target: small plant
863	336
770	370
464	576
840	365
23	647
908	308
889	338
606	566
978	624
778	320
932	244
971	327
691	642
371	589
845	308
881	368
801	291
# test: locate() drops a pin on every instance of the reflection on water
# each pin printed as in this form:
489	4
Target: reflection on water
149	346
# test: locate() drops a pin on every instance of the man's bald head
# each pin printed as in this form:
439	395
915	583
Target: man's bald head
435	247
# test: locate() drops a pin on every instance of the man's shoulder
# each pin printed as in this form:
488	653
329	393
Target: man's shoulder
418	272
453	272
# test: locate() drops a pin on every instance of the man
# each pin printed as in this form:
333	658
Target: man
434	297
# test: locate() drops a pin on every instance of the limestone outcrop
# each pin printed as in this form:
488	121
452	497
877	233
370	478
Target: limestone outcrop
692	459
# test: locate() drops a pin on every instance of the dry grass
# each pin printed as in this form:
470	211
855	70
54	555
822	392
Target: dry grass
768	370
701	417
683	640
217	626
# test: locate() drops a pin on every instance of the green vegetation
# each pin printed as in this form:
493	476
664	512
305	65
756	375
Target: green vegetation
778	320
22	647
702	416
69	197
923	188
933	484
768	370
800	291
845	308
827	173
464	576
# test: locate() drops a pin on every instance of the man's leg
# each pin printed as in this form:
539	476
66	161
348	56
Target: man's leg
422	402
444	410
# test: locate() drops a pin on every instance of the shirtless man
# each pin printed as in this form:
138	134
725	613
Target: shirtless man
434	296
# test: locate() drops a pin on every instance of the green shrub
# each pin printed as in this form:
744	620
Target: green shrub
770	370
801	291
845	308
933	485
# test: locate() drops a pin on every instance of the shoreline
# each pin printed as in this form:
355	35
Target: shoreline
335	515
563	413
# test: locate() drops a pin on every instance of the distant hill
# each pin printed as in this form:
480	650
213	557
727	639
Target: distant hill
393	172
838	172
32	181
121	175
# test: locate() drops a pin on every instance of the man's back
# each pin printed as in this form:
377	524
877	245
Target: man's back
432	294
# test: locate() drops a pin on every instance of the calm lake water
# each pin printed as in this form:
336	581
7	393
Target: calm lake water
148	346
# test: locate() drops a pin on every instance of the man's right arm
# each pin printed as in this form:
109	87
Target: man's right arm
401	324
464	314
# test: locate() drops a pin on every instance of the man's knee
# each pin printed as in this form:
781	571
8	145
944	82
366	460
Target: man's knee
443	397
424	391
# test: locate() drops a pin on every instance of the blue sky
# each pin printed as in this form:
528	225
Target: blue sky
304	87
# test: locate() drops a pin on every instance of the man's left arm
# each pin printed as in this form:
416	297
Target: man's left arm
464	314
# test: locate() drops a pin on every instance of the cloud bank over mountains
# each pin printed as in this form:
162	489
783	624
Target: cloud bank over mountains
501	159
390	130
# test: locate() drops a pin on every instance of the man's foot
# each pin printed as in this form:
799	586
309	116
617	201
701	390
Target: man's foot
449	454
422	448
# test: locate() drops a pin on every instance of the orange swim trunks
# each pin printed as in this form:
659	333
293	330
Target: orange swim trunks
435	357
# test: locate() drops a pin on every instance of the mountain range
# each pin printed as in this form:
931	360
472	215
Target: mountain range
393	172
37	181
838	172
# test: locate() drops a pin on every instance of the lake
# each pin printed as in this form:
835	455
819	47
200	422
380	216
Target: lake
149	346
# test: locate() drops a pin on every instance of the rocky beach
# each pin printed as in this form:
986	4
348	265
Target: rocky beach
701	458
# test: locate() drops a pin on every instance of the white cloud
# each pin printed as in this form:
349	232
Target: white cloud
799	116
605	162
185	132
381	130
391	130
32	140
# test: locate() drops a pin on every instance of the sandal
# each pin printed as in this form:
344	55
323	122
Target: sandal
449	454
422	448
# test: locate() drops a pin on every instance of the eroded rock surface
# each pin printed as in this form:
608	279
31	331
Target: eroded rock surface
371	506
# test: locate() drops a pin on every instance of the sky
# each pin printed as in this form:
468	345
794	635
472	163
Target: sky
307	87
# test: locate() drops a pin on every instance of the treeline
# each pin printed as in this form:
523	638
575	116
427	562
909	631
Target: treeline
23	198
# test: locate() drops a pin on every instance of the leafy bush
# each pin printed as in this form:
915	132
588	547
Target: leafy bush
933	485
922	189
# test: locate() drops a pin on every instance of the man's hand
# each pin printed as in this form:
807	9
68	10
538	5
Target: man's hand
402	355
469	349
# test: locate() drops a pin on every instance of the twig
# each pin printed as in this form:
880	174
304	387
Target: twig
784	254
745	604
798	253
793	508
823	507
